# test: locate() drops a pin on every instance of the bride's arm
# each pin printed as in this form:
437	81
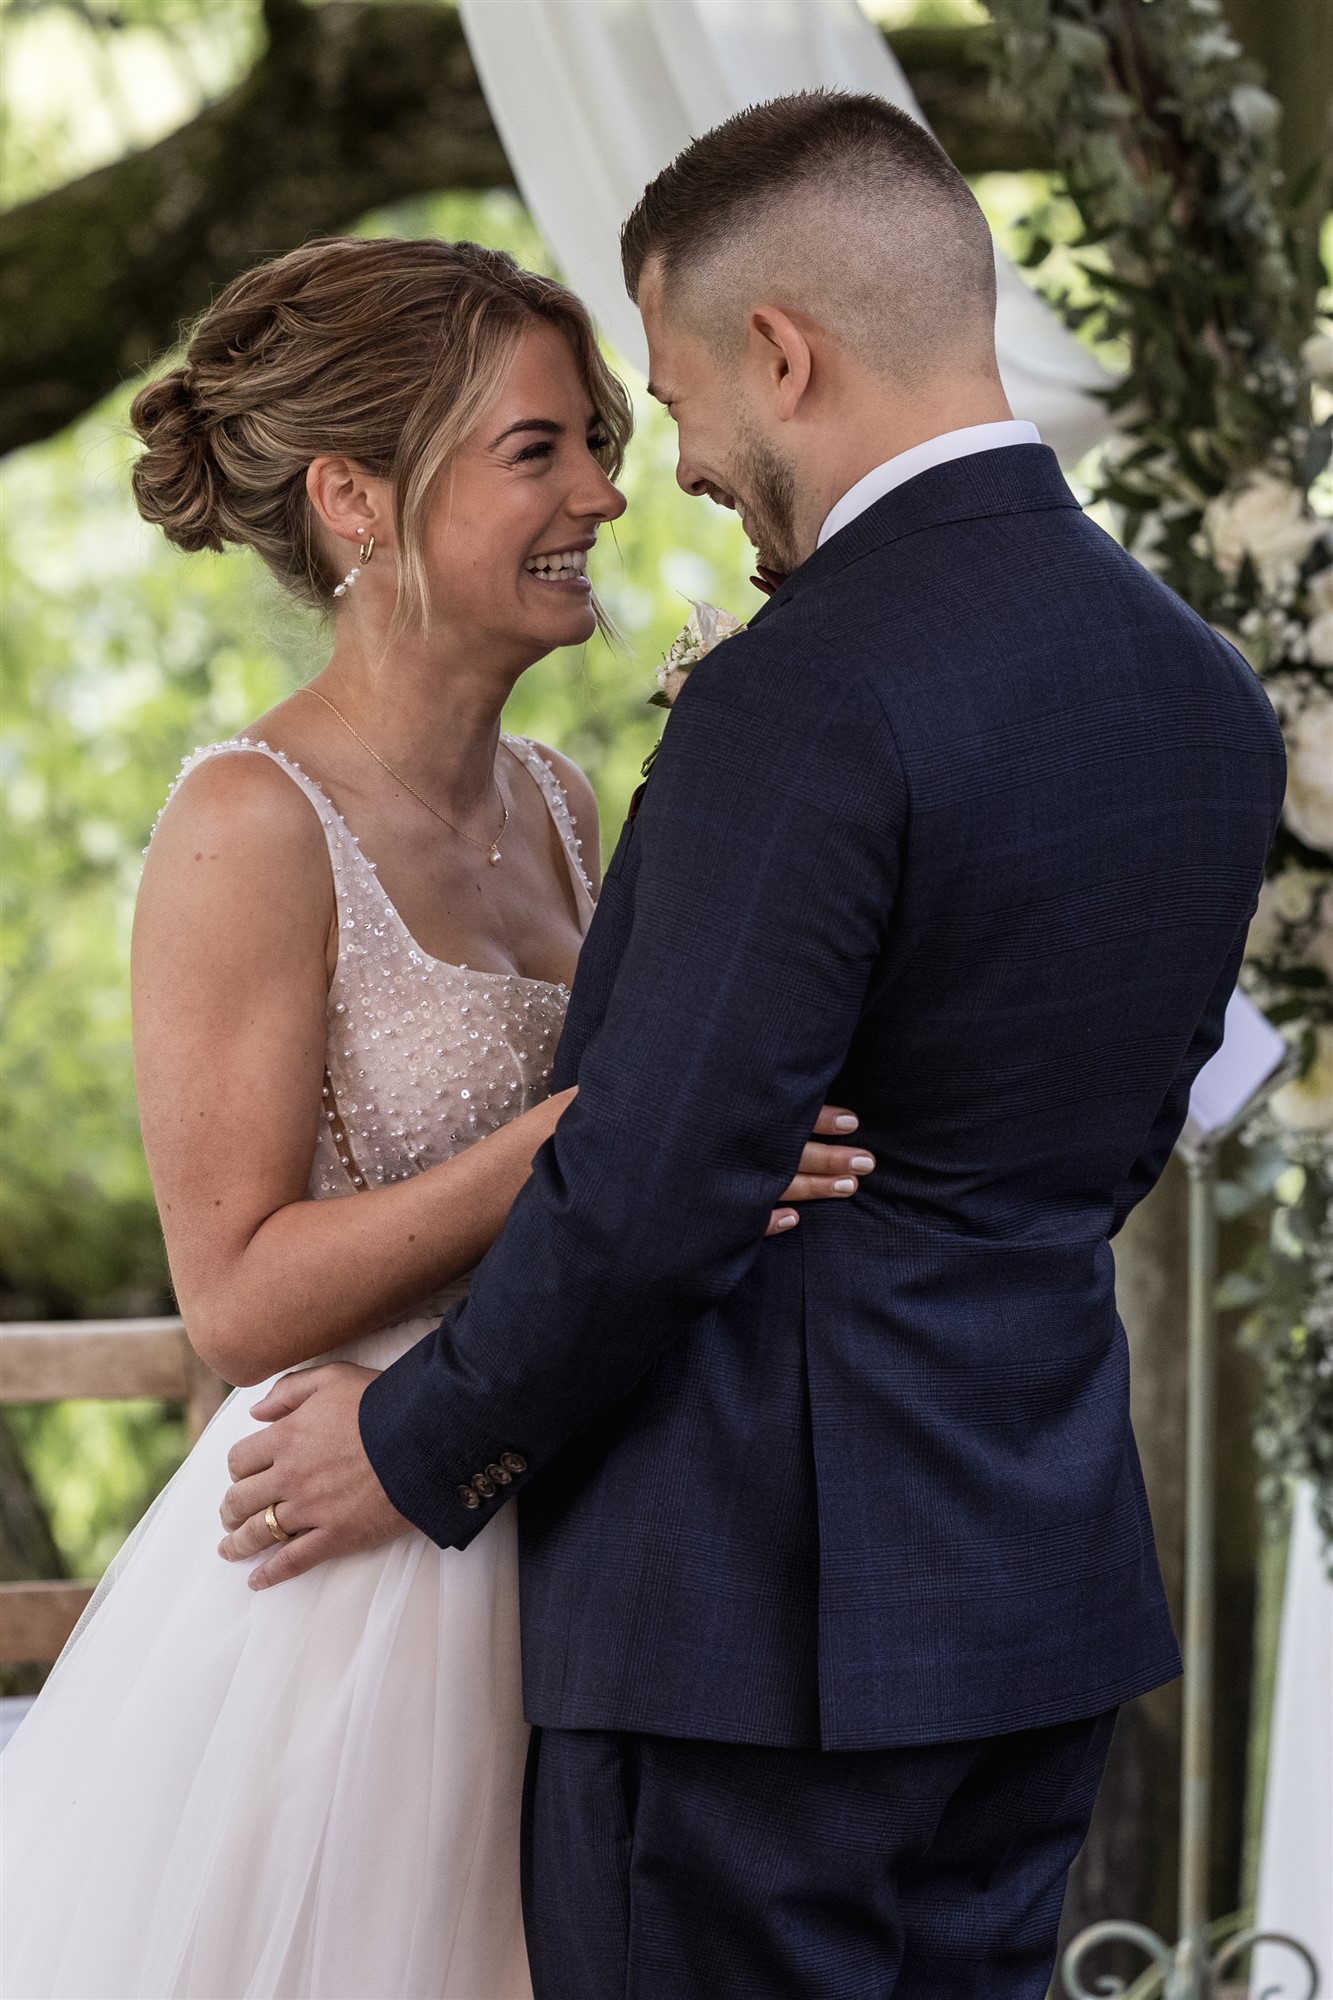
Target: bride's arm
234	936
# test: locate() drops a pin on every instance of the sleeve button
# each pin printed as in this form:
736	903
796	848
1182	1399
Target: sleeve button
468	1497
511	1462
483	1485
499	1475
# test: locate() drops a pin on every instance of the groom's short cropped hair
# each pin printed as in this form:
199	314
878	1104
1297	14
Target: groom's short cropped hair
846	200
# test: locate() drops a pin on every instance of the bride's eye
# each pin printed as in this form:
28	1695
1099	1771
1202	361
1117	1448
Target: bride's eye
532	451
598	442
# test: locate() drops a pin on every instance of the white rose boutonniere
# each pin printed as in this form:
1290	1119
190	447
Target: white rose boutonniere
706	628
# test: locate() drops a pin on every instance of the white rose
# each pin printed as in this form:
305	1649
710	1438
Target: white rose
1291	898
1319	637
1294	892
1256	111
1264	519
1317	357
712	625
1309	807
1215	45
1306	1105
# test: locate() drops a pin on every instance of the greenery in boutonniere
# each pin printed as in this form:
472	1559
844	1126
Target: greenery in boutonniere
705	628
1192	257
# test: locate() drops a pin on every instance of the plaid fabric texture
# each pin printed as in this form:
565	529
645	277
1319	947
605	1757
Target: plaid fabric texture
665	1870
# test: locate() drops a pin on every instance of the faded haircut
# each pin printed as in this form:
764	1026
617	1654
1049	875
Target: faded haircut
839	206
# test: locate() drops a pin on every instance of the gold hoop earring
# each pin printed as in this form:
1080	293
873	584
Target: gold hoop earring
363	555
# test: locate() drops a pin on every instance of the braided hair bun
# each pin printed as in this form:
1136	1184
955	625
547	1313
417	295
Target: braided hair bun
176	481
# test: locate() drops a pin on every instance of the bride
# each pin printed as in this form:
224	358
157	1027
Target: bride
354	941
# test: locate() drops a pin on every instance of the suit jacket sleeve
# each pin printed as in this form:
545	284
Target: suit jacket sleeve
767	849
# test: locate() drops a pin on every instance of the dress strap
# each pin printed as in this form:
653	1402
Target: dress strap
336	831
347	865
356	886
543	774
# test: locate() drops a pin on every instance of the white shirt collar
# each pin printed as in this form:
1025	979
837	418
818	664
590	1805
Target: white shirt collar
935	451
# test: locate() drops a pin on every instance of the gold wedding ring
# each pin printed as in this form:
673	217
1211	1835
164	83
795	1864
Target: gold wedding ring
275	1527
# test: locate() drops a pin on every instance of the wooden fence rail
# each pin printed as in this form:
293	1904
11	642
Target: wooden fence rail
107	1360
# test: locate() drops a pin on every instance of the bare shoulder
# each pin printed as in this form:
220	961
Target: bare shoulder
582	801
240	798
238	835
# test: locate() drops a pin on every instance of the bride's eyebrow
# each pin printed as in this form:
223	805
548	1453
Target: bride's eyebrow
546	425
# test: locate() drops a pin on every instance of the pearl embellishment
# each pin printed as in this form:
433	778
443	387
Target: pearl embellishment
424	1058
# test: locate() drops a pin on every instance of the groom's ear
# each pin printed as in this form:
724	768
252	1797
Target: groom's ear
782	354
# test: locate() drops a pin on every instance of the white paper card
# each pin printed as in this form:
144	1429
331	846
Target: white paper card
1252	1051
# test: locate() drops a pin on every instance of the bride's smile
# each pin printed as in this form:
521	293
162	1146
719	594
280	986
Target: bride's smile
565	567
508	542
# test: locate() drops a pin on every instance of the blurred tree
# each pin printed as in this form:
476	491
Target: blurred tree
336	108
347	105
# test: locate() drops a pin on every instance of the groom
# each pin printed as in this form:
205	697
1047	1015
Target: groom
836	1562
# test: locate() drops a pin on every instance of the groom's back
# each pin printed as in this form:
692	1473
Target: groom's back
891	1471
1092	776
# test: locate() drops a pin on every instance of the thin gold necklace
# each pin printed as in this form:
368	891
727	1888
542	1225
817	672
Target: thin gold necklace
492	850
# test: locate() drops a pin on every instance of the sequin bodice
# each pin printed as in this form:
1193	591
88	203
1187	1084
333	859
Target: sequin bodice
423	1058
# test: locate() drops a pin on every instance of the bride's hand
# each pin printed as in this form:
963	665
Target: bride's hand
826	1173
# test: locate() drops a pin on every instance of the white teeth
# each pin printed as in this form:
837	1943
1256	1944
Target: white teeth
569	562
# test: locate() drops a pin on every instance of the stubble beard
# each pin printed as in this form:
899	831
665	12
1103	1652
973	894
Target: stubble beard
766	481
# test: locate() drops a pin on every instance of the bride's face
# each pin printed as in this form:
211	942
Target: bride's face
518	511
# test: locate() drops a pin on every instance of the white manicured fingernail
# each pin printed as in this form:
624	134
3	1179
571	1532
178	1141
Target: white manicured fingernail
846	1123
844	1187
786	1222
863	1164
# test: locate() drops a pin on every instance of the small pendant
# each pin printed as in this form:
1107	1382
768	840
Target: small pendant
495	856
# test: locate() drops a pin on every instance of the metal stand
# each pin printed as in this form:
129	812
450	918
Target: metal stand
1192	1970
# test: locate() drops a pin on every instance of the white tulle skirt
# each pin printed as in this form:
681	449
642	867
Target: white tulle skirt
305	1793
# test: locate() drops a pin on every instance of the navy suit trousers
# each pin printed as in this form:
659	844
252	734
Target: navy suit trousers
657	1868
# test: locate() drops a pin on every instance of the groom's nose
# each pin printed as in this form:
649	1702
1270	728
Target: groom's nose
689	480
698	485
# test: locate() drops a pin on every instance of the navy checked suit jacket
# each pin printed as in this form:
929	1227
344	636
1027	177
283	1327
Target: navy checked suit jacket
964	832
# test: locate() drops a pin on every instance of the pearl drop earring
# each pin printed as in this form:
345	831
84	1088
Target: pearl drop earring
363	555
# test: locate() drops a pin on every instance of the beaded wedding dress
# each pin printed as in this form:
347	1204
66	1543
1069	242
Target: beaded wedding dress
311	1792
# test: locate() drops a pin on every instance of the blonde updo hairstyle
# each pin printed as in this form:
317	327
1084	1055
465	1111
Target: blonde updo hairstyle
380	350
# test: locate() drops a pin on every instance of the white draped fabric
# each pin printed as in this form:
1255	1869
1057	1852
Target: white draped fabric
593	97
1295	1892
